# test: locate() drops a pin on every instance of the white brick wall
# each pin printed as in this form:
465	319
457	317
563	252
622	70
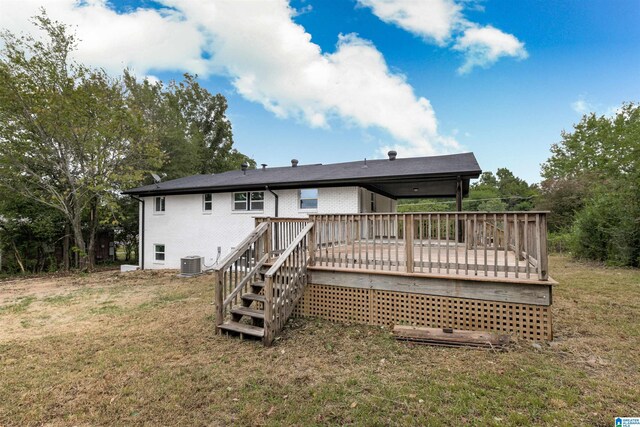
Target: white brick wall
185	229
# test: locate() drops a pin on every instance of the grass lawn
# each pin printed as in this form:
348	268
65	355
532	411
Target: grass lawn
139	348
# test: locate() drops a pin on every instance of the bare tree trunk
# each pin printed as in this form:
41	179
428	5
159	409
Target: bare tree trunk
81	247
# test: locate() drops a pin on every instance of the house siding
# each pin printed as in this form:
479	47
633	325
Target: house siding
383	203
186	230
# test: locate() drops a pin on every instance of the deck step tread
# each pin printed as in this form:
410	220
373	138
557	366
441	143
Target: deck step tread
248	311
258	284
243	328
253	297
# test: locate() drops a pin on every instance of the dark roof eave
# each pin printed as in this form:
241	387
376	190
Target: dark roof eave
301	184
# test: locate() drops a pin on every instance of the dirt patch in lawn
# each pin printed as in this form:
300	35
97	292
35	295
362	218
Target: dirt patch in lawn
35	308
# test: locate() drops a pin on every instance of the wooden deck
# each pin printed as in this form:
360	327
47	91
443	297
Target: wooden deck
471	271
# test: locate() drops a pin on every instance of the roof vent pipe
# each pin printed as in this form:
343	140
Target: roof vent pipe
294	163
392	155
244	166
264	166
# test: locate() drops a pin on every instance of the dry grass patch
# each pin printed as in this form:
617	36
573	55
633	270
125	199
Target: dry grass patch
139	349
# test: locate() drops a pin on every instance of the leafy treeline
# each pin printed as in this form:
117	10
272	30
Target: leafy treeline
72	137
502	191
592	188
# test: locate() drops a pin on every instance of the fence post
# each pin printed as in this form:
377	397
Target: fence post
408	241
219	302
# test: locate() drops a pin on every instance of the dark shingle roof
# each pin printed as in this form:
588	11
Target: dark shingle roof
415	169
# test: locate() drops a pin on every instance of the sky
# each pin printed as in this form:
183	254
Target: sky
326	81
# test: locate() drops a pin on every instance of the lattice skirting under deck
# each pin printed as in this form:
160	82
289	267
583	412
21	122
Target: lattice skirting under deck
377	307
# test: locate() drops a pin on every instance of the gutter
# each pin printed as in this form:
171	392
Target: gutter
141	245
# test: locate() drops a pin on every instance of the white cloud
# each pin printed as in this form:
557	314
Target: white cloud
581	106
442	21
430	19
269	59
143	39
483	46
584	106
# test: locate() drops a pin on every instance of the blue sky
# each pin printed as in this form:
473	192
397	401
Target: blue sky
558	60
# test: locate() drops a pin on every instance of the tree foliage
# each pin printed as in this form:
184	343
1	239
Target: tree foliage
68	139
502	191
29	234
592	186
190	125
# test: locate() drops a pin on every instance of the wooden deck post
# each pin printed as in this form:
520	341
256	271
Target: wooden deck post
408	241
268	311
459	209
218	301
267	240
312	243
544	260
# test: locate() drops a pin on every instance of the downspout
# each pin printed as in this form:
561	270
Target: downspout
141	246
276	197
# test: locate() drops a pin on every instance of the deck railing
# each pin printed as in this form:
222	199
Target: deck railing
238	270
491	244
285	282
283	232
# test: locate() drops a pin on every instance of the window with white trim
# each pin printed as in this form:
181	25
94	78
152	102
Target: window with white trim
159	204
248	201
309	198
373	202
207	202
158	252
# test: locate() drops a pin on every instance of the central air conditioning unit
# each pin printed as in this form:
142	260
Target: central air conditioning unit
191	265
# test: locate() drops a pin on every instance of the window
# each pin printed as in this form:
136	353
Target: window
309	198
373	202
159	204
207	202
159	252
249	201
257	201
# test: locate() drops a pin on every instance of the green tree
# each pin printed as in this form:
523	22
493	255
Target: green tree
190	124
501	192
28	234
68	138
593	182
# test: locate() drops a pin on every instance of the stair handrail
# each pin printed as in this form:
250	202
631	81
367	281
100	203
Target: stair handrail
242	246
247	258
279	303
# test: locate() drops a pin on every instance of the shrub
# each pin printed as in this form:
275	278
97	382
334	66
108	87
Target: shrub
608	228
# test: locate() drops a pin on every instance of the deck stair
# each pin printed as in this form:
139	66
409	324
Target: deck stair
245	312
256	288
